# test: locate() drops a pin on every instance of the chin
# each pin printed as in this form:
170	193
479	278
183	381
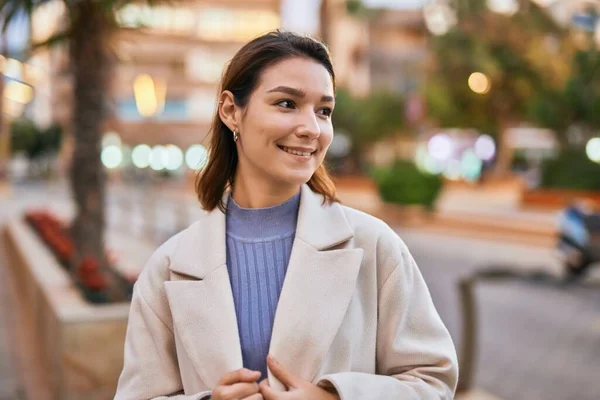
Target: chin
295	178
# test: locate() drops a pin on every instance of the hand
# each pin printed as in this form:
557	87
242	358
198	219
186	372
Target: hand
298	388
238	385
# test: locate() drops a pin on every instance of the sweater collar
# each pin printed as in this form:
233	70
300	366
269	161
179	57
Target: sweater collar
259	224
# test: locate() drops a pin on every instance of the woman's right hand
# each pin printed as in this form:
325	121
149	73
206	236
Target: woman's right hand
238	385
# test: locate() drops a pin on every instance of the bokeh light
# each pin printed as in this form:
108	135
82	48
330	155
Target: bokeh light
141	155
470	166
485	148
159	158
440	147
111	139
479	83
196	157
18	92
149	95
506	7
452	170
111	156
439	18
592	149
340	146
13	69
175	157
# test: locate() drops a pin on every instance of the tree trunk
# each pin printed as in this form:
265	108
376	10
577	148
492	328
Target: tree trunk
505	148
91	72
4	127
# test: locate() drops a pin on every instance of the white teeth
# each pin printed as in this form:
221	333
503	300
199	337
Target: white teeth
296	152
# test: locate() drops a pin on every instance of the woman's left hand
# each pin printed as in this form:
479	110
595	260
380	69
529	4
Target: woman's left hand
298	388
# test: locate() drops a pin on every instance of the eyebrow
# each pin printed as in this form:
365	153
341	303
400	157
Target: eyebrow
296	92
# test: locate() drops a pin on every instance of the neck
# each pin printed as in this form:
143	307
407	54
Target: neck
255	193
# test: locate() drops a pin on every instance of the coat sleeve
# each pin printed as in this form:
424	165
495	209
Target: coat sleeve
416	358
150	369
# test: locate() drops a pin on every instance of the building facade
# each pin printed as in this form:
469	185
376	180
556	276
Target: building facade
169	60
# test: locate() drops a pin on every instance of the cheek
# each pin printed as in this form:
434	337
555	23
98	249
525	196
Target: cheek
326	138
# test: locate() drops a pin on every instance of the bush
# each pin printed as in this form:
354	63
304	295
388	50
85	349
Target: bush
27	137
572	169
92	280
403	183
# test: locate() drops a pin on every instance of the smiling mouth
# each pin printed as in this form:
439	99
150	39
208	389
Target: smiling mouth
297	152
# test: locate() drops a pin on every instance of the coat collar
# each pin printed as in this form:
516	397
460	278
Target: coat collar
202	250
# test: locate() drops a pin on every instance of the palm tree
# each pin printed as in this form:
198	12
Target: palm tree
89	29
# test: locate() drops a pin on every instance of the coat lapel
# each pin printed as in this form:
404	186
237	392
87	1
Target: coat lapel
202	301
316	293
317	289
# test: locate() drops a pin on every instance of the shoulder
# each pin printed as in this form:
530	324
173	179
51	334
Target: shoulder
156	269
384	244
367	226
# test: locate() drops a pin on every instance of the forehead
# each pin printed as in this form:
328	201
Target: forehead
299	73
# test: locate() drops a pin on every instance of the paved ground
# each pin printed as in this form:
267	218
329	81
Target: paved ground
536	341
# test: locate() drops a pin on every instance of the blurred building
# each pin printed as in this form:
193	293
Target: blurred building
169	60
377	49
380	48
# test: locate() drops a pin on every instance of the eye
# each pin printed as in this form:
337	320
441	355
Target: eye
326	111
285	104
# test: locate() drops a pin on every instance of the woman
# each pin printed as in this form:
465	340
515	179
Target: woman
278	291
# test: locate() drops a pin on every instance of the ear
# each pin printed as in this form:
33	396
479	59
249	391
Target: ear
229	112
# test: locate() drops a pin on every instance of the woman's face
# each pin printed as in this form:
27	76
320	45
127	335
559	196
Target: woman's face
286	129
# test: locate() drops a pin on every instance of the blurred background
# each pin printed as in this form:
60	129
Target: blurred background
472	127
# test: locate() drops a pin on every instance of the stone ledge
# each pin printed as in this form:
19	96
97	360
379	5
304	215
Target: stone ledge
78	346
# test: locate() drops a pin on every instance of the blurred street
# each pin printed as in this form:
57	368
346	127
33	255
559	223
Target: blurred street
536	341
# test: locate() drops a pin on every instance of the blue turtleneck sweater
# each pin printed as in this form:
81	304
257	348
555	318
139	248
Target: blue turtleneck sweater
259	244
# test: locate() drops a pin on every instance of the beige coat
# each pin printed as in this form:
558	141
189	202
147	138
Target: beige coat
354	313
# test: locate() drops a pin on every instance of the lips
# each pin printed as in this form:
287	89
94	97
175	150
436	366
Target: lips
298	151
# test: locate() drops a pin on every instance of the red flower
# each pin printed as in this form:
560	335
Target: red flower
95	281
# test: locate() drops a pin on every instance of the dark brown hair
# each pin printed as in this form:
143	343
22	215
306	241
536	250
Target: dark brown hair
241	78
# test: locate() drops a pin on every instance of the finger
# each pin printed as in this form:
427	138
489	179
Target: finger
256	396
241	390
240	375
286	377
267	391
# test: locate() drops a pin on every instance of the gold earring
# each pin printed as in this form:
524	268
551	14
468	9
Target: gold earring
236	135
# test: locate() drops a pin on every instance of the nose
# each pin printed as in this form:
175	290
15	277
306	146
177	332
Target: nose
310	127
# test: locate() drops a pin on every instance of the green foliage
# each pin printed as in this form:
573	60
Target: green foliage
358	9
520	161
577	102
508	50
403	183
28	138
572	169
368	119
